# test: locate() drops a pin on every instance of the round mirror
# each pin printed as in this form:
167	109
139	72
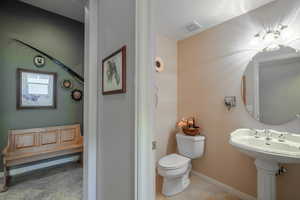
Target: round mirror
271	86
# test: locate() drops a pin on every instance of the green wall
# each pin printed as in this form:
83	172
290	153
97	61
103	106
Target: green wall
58	36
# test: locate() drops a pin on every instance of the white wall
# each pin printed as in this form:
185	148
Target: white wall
116	112
166	84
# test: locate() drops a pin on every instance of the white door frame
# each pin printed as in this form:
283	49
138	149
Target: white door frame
90	99
144	101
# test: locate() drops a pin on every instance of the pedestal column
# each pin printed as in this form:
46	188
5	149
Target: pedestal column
266	179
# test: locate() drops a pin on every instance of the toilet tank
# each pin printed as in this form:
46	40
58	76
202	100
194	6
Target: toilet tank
190	146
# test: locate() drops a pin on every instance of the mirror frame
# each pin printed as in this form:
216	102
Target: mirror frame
255	116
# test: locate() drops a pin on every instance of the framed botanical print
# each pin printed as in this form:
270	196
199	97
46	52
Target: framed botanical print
36	89
114	73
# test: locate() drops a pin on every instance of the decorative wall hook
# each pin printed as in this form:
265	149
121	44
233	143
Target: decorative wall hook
230	102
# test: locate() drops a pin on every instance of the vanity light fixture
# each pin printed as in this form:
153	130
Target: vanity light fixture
271	38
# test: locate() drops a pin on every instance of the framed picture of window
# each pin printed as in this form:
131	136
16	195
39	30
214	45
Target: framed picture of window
114	73
36	89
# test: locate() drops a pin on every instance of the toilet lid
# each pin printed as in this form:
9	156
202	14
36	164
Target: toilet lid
173	161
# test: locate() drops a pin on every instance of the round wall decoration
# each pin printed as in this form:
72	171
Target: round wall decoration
159	64
76	95
67	84
39	61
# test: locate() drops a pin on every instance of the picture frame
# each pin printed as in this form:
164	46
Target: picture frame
36	89
114	73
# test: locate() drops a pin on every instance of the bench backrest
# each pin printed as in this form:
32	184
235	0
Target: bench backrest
43	139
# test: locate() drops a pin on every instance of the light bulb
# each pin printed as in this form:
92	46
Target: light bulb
256	40
285	34
269	37
272	38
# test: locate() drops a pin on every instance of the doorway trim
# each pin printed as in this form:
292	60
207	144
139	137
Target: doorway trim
90	99
144	101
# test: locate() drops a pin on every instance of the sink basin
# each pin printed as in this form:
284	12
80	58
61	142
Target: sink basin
275	149
269	148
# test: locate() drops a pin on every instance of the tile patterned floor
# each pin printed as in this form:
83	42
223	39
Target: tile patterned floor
199	189
57	183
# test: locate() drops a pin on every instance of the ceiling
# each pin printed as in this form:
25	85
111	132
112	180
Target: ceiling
73	9
173	15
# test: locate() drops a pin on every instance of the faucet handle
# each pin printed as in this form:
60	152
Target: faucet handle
281	137
255	133
268	134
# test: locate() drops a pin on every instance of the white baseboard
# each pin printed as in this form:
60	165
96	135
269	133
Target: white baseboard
225	187
22	170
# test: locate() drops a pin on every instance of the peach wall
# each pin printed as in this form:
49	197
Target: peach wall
210	67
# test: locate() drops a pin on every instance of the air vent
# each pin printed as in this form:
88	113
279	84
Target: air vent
193	26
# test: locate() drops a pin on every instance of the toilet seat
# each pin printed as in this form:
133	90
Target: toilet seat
173	161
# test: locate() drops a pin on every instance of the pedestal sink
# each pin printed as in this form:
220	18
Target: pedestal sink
269	148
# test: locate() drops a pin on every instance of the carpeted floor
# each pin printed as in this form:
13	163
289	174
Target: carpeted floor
56	183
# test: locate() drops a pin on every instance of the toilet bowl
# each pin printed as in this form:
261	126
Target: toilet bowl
175	168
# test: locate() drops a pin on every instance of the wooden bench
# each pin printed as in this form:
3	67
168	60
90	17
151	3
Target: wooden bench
30	145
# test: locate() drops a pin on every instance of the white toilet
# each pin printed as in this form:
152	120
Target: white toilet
175	169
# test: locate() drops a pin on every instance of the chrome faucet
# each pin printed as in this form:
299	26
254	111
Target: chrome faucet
268	134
